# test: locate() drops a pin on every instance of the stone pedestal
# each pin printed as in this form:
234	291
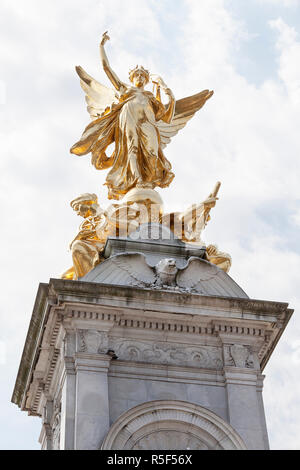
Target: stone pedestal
120	360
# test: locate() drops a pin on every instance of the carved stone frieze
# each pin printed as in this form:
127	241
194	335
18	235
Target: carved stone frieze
96	342
168	354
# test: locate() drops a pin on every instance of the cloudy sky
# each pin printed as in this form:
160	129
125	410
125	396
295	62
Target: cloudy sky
247	136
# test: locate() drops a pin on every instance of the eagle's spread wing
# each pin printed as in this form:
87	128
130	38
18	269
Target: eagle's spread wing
207	279
98	97
132	269
126	269
184	111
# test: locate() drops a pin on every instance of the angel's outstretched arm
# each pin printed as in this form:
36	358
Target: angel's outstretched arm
107	69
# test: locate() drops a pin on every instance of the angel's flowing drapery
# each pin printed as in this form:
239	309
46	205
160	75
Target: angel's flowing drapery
137	157
134	123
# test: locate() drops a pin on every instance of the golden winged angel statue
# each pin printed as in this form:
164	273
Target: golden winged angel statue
138	124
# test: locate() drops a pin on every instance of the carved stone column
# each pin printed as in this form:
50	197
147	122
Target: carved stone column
68	402
84	401
46	432
92	404
243	382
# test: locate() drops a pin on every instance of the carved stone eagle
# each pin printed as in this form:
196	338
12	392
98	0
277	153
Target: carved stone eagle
197	276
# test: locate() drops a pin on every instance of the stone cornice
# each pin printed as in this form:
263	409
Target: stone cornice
37	322
154	299
70	305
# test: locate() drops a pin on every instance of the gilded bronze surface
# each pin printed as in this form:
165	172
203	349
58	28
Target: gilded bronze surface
139	126
87	245
137	123
138	207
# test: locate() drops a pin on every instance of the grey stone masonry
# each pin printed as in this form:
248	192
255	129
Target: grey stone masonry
132	348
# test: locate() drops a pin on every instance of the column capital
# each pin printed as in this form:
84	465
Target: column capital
92	362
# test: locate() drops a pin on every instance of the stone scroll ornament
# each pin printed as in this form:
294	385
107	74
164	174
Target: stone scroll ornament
166	354
91	341
239	356
96	342
56	428
139	125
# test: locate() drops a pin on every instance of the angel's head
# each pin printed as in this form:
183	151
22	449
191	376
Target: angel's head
85	205
139	76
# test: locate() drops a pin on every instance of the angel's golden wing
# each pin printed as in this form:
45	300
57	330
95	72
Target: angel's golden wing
184	111
97	96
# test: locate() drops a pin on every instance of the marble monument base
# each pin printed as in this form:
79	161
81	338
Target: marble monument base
113	361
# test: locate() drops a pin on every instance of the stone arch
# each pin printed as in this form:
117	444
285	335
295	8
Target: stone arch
171	425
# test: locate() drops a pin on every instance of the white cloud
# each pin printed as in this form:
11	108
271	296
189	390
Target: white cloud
288	45
2	92
2	352
296	217
280	3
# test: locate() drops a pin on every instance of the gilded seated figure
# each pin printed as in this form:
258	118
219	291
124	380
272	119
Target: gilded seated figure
87	245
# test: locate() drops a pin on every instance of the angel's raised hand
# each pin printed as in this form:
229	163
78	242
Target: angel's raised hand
105	38
157	79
